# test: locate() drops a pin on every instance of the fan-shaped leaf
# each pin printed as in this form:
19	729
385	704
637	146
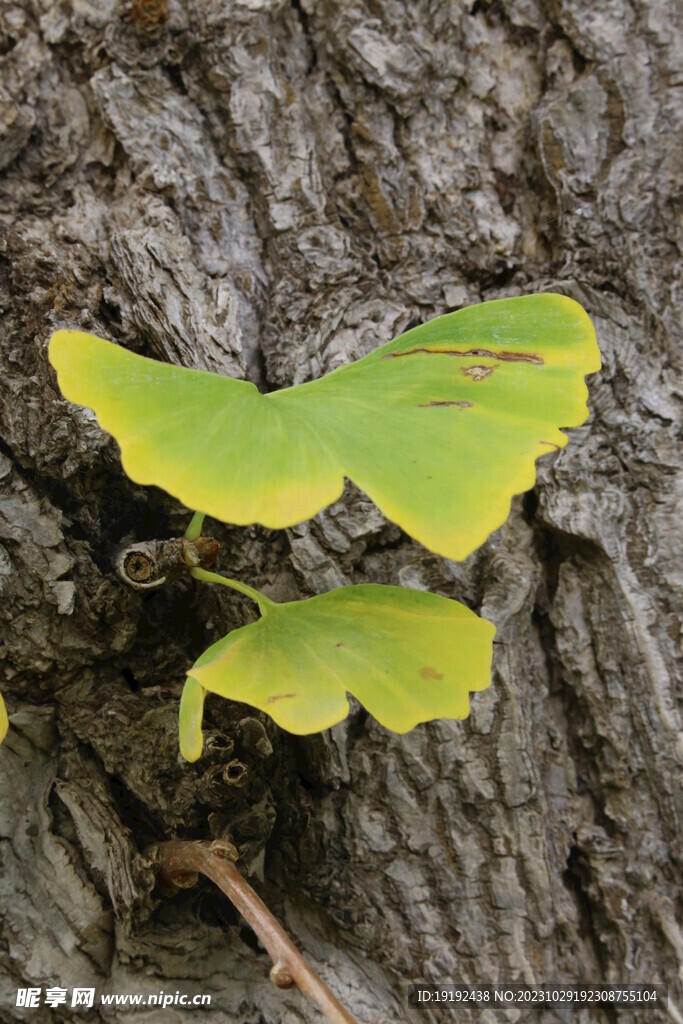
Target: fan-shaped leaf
408	656
440	427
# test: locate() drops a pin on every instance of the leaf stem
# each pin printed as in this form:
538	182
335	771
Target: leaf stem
262	601
178	859
195	527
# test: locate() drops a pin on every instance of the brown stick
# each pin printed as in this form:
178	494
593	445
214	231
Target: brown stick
178	863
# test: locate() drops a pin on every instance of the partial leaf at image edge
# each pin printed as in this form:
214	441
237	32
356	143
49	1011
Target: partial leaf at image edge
408	656
440	427
4	720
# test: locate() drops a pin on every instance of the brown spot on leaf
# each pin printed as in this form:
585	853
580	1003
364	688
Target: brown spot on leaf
478	372
429	672
280	696
481	353
340	644
430	405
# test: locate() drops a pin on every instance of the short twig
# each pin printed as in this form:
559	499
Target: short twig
178	863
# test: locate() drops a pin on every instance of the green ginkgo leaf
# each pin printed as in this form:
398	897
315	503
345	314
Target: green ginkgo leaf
408	656
4	720
440	427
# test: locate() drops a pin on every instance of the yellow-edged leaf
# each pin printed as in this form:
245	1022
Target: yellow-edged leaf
408	656
440	427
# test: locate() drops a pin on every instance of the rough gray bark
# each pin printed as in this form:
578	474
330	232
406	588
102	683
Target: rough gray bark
270	189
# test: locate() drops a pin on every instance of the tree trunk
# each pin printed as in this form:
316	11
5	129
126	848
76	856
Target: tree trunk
271	189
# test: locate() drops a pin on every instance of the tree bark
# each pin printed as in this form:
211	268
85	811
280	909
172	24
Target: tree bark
270	189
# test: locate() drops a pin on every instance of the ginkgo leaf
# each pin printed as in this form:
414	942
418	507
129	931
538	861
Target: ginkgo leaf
4	720
440	427
408	656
